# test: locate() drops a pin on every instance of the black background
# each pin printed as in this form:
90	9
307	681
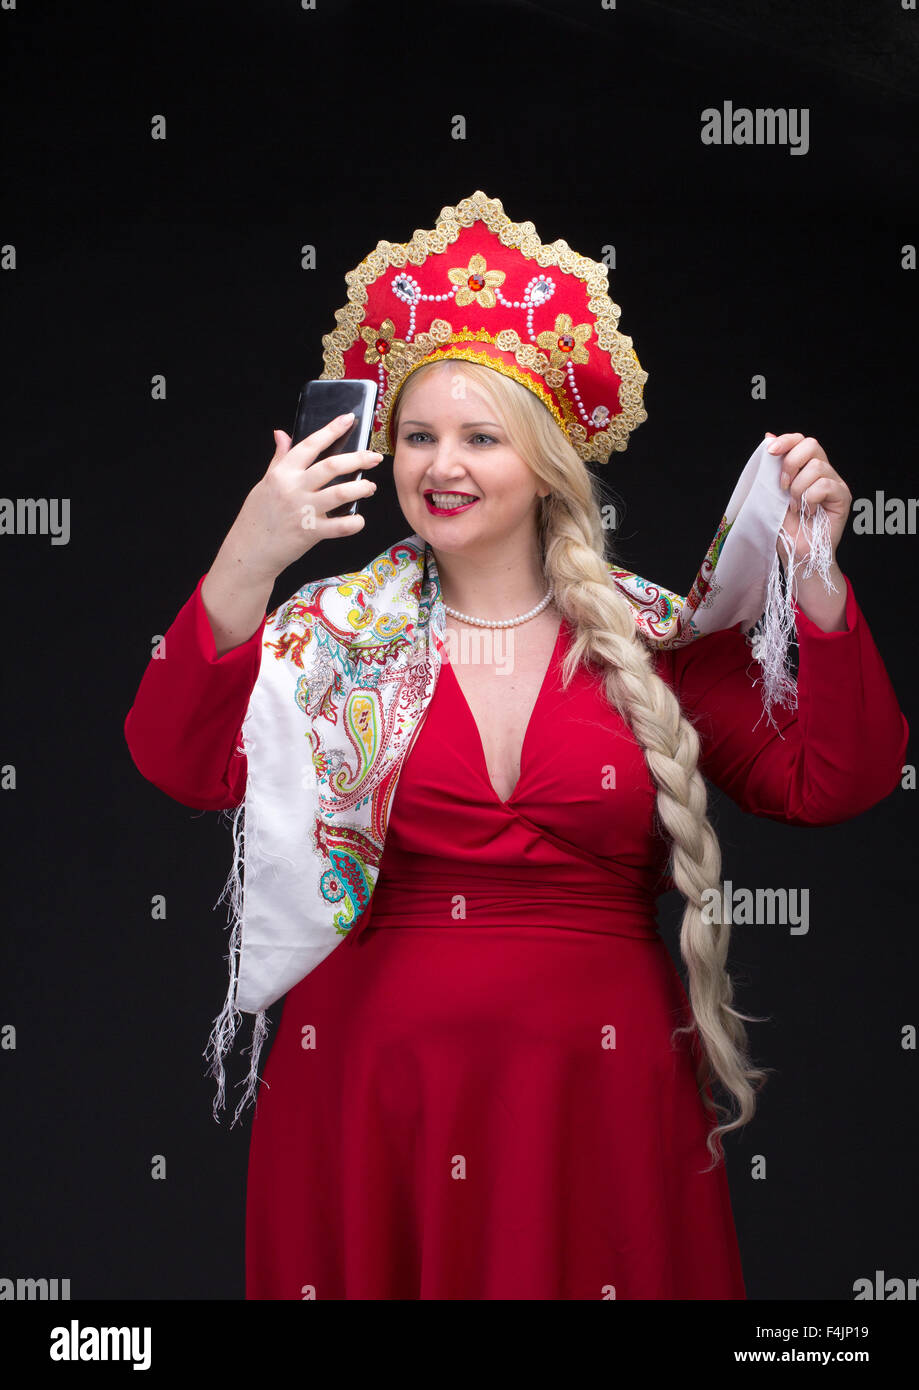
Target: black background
136	257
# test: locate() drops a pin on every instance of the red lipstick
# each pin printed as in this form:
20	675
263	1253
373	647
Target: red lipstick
446	511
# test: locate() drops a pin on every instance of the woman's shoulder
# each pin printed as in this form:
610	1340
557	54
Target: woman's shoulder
353	604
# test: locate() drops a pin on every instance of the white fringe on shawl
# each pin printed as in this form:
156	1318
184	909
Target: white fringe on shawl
223	1034
769	639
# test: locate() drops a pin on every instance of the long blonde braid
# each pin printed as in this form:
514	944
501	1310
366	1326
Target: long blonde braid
572	541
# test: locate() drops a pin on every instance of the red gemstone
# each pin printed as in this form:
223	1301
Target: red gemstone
476	282
566	342
382	346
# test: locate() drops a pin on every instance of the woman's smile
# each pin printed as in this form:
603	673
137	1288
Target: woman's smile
447	503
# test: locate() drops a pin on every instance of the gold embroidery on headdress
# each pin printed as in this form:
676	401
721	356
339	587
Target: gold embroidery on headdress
380	342
476	283
565	341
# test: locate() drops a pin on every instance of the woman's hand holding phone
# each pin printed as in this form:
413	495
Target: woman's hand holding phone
285	514
282	518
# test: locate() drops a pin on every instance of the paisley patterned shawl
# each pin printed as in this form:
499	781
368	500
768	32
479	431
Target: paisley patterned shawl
349	664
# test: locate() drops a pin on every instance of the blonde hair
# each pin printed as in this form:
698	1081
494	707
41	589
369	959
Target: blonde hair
573	547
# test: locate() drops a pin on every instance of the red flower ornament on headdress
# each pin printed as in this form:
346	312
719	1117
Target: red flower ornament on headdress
480	288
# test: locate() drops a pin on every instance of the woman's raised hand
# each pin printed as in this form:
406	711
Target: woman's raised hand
282	518
286	513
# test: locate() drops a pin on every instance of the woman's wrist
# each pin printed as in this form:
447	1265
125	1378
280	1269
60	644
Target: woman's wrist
235	598
827	610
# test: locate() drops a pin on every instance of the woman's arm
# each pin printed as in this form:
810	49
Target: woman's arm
840	752
183	729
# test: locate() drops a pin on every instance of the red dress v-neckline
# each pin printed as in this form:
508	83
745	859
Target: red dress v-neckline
447	665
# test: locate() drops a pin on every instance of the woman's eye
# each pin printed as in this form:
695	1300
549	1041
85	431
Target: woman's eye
423	434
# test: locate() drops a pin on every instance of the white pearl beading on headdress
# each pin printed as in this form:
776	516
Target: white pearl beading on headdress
538	292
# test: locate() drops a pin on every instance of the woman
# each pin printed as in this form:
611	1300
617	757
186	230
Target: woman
496	1093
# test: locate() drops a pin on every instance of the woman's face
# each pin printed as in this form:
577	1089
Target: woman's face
449	441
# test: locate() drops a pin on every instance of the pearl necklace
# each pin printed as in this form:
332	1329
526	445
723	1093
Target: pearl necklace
507	622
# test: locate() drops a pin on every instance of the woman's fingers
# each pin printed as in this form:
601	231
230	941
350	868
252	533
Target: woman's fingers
336	464
781	443
308	448
327	498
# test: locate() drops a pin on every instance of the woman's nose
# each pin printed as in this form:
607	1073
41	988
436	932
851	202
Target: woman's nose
445	458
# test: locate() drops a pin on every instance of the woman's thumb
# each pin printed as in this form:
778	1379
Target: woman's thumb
281	443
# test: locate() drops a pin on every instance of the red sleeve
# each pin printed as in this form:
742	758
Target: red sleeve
839	753
184	727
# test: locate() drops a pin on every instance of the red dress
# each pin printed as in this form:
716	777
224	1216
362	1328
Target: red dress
491	1107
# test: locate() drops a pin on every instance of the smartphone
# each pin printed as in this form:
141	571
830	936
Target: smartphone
322	401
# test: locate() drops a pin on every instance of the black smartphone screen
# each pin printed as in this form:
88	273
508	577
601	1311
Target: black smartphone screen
322	401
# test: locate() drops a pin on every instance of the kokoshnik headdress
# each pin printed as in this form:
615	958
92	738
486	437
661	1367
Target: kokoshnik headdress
349	663
481	288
